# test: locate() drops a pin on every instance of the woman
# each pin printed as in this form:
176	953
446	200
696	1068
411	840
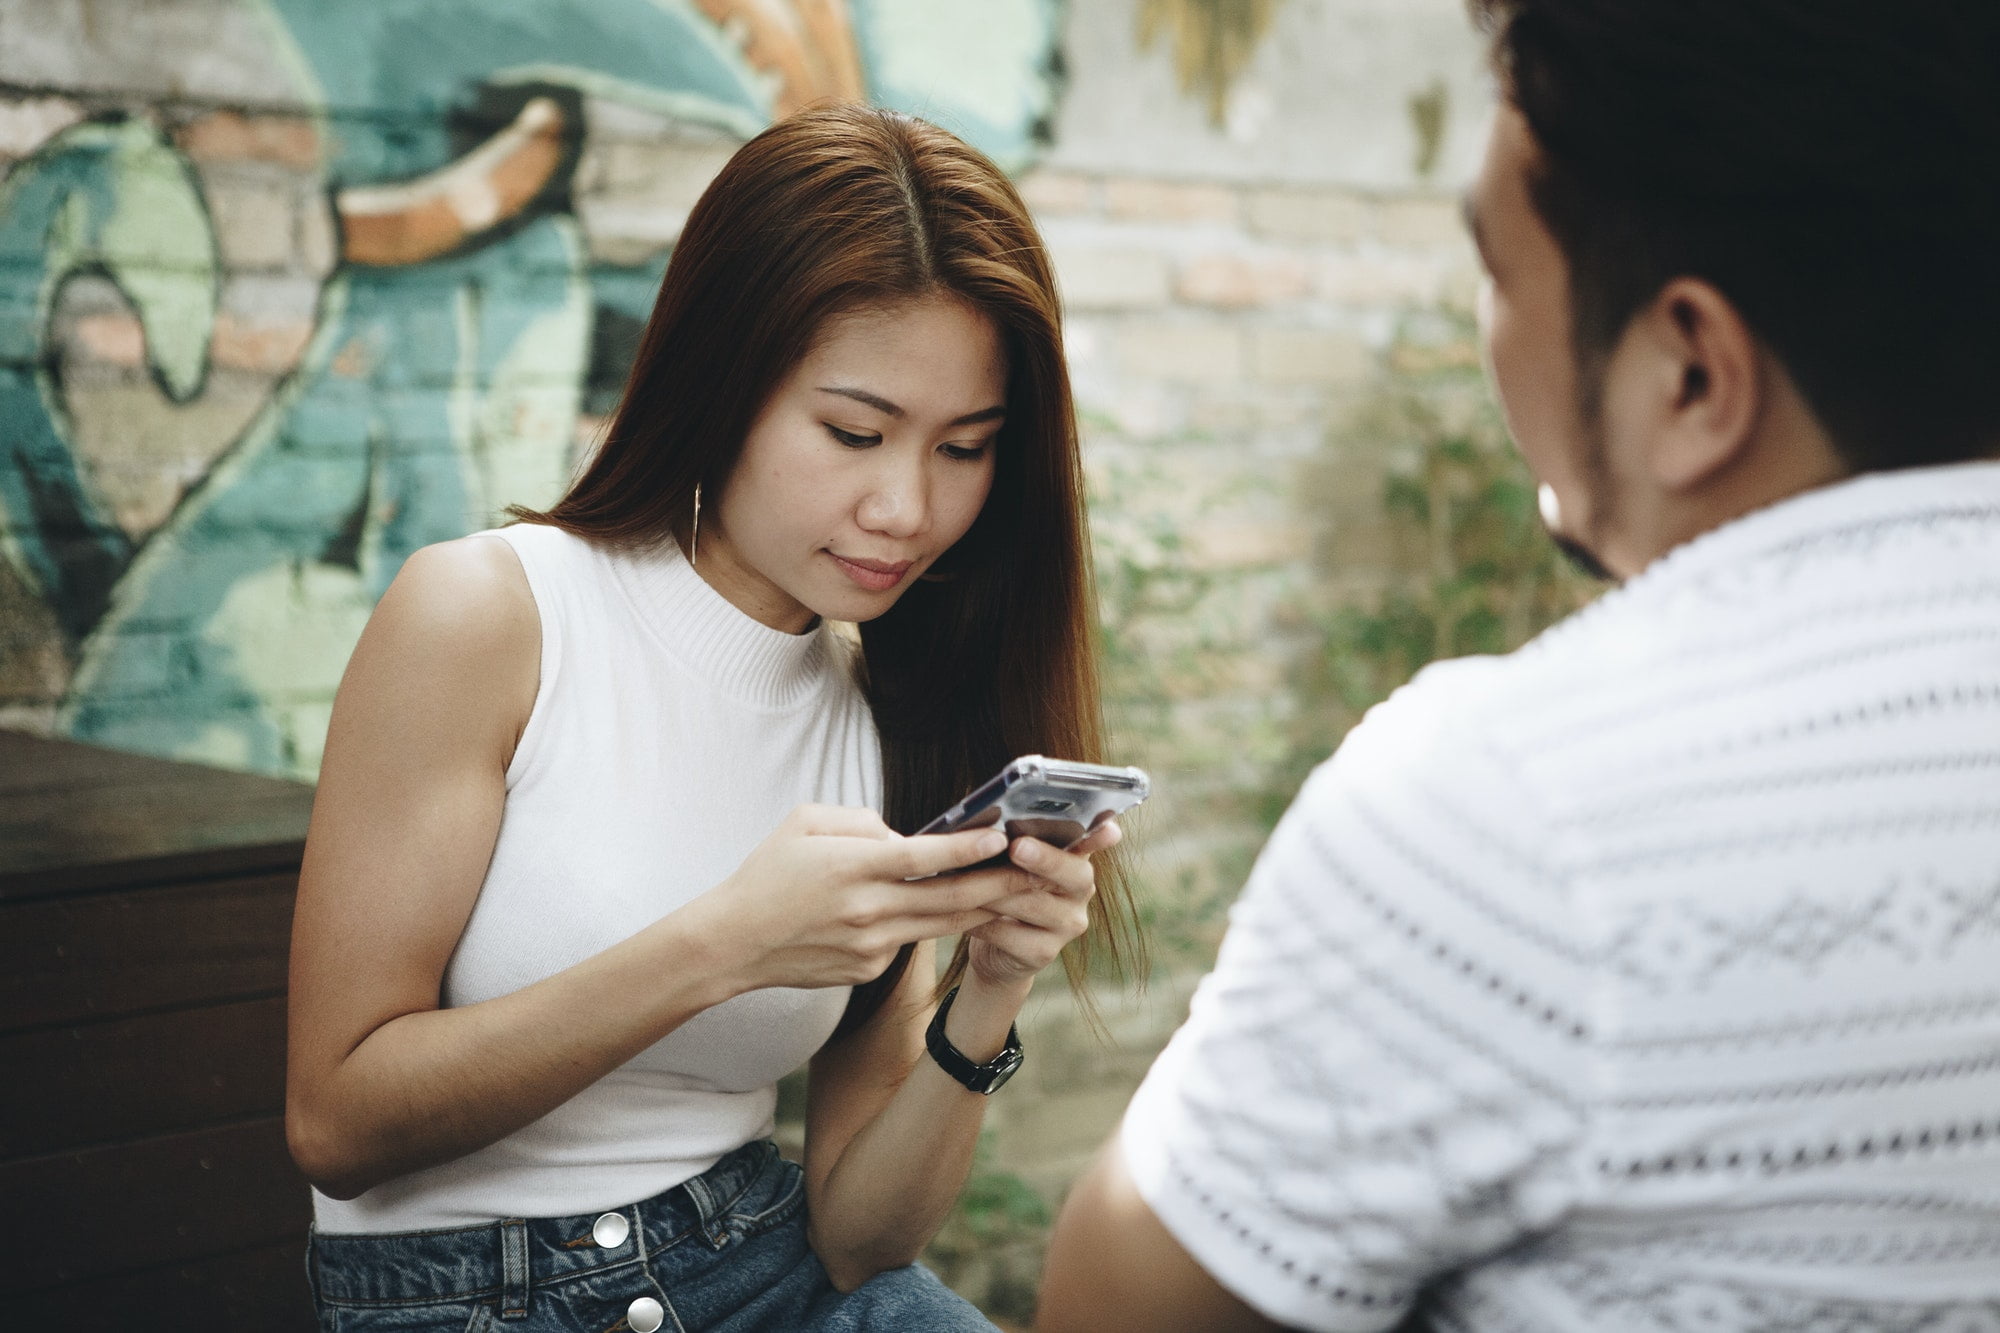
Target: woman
550	957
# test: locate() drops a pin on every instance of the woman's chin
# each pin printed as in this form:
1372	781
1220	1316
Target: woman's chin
857	607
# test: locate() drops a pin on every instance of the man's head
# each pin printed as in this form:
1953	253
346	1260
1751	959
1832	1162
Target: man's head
1739	248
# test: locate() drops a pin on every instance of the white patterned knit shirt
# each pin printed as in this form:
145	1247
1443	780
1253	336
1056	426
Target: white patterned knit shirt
1645	979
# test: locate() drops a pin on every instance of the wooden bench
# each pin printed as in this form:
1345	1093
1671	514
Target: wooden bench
145	914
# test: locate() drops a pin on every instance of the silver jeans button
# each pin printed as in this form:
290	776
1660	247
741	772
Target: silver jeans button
611	1230
645	1314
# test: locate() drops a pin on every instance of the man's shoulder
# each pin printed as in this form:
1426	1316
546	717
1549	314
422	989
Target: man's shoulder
1489	732
1432	777
1460	708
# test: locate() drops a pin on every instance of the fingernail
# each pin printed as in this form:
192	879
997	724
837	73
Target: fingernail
991	843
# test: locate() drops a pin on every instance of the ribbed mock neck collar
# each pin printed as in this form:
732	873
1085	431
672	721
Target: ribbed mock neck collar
737	654
1855	505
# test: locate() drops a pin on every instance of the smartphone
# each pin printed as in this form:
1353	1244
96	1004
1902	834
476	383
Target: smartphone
1055	800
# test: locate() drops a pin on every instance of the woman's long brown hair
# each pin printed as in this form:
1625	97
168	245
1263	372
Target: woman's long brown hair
844	208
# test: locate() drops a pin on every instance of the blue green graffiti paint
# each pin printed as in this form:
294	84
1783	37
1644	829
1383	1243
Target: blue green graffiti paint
432	393
98	198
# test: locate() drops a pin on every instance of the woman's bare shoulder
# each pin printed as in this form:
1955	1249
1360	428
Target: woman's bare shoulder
458	632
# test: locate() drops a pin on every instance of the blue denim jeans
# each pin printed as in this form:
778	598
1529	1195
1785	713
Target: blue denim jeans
725	1251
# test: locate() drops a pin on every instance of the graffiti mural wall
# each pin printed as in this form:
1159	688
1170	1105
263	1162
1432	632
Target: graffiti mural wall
377	278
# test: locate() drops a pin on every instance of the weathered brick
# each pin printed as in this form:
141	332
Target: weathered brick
642	192
254	223
27	124
1327	217
304	725
586	438
34	668
1420	223
115	339
1237	543
1201	353
1141	200
268	346
1260	410
1377	279
1309	356
1058	193
144	451
1127	410
1424	358
1459	289
317	236
1107	279
231	136
1240	280
268	297
36	716
355	360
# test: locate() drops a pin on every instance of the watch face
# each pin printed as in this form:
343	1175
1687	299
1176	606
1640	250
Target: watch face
1004	1066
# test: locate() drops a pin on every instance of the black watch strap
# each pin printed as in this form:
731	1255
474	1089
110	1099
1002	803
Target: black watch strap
983	1079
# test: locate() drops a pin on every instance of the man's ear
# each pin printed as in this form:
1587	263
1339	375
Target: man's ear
1706	373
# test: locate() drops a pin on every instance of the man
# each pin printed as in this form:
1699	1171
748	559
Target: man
1649	978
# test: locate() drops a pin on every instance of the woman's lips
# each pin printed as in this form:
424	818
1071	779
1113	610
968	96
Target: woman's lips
874	575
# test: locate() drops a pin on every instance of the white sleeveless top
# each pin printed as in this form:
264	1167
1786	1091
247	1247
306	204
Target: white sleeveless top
670	734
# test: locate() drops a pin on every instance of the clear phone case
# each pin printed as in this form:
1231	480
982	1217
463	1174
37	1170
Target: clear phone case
1055	800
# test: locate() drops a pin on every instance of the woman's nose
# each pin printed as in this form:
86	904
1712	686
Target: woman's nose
897	505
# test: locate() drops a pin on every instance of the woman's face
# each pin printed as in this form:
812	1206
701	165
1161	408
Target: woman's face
867	462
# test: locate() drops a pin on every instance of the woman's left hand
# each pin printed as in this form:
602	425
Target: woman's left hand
1051	908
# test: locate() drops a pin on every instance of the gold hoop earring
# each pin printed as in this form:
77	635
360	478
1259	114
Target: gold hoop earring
694	537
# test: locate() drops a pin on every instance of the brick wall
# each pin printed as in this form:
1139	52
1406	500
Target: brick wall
1220	334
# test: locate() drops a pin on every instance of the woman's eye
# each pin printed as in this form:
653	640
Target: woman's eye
851	440
964	452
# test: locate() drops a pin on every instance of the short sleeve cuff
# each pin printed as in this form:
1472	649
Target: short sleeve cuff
1241	1254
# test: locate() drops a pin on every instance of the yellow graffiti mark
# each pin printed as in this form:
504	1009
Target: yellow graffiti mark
1213	41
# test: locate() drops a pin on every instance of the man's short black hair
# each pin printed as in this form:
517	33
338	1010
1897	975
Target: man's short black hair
1832	166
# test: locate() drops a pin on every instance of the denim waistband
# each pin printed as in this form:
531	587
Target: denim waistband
501	1259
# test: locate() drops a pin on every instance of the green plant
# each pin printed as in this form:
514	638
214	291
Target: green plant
1169	639
1146	580
1466	567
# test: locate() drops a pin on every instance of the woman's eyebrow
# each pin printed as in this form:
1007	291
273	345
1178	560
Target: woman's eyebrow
875	401
882	404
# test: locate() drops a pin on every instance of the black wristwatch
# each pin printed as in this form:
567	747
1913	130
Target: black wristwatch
983	1079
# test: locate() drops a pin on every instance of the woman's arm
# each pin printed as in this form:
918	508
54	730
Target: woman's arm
889	1135
380	1080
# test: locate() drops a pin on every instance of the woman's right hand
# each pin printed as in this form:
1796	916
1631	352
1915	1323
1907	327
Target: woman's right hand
826	899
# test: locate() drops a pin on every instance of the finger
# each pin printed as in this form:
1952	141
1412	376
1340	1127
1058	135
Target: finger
1100	839
935	853
909	930
959	893
1032	949
1068	917
1068	873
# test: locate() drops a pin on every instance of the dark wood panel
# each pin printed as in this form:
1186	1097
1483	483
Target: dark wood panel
262	1290
185	1197
65	960
134	1077
77	818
